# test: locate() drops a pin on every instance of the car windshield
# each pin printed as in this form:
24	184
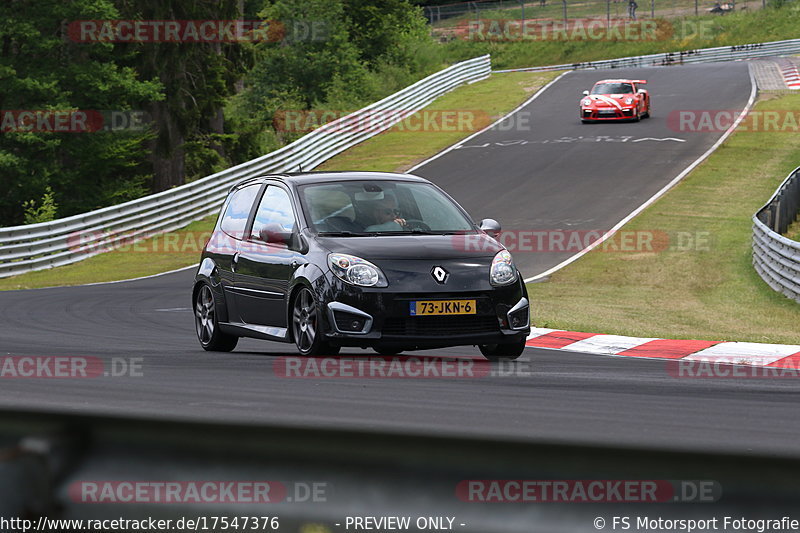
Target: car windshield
380	208
612	88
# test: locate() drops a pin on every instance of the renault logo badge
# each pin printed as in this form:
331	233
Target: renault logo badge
440	274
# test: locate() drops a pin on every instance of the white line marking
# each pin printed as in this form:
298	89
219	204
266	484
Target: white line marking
110	282
659	140
660	193
501	119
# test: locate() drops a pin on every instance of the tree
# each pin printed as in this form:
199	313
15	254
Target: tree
197	78
335	54
46	74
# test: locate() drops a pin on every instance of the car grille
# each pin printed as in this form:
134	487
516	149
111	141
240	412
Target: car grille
440	325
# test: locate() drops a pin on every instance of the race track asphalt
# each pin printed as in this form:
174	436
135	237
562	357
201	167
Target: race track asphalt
542	170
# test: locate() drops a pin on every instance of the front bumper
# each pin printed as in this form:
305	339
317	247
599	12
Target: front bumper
379	317
608	114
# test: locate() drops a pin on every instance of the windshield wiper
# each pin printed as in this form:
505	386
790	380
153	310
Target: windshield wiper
418	231
342	234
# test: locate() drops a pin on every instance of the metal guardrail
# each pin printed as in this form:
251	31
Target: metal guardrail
702	55
776	258
47	459
68	240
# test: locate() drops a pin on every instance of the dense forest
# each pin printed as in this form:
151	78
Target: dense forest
102	104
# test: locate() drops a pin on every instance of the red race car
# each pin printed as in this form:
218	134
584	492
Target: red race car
615	100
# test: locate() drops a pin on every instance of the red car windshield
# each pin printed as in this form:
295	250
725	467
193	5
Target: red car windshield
612	88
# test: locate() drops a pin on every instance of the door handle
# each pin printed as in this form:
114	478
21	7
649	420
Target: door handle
234	260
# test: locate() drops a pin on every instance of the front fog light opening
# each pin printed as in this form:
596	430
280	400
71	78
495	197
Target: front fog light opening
348	319
519	316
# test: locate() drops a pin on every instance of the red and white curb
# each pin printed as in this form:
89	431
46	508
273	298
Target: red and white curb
737	353
790	73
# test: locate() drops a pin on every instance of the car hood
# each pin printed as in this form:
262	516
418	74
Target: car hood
607	100
398	247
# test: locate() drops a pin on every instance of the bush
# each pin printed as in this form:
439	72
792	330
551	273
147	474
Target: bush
44	212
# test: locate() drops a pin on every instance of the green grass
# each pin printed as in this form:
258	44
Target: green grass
794	231
683	33
395	150
707	292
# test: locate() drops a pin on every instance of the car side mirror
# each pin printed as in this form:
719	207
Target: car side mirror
491	227
274	234
585	93
641	91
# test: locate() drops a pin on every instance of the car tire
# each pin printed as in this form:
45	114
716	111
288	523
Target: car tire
206	322
387	352
306	325
502	352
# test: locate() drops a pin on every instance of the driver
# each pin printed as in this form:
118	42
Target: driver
386	216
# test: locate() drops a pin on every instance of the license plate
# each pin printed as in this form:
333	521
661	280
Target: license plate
442	307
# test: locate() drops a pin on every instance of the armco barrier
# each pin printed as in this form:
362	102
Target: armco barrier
702	55
776	258
68	240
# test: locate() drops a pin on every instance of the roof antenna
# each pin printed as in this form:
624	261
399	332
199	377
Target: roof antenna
300	167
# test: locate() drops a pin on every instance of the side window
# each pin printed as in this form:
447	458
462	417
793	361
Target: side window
234	219
274	213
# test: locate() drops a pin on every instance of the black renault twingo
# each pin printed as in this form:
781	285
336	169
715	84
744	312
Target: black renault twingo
378	260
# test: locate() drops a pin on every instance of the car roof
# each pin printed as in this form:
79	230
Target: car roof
303	178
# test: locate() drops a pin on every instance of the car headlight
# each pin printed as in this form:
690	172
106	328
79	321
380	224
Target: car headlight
356	271
586	102
503	270
628	101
